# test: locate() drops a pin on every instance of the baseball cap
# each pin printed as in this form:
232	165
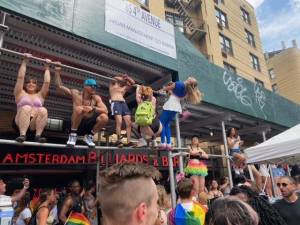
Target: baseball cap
90	82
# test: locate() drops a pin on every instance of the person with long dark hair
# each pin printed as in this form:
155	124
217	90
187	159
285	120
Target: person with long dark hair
267	213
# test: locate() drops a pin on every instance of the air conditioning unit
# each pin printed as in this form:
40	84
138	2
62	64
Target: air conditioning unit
224	53
220	26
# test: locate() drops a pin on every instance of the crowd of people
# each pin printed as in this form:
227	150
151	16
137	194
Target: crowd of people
132	194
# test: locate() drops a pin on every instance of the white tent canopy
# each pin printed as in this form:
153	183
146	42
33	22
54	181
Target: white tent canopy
282	148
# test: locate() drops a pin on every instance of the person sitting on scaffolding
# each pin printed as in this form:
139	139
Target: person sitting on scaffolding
234	143
147	122
89	112
119	109
180	89
29	99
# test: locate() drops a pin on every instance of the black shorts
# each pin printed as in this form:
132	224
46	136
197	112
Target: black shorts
155	125
87	124
119	108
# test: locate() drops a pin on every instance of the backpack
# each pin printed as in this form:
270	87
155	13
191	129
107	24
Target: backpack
144	114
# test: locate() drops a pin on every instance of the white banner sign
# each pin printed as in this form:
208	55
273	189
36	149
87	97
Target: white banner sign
134	24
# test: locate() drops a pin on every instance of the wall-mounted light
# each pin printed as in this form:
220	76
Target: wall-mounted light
211	133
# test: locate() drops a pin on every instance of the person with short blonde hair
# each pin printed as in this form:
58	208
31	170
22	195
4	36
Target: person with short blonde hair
128	194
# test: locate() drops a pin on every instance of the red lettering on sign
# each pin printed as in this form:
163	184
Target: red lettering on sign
55	159
8	158
123	158
21	158
92	157
164	161
155	162
63	159
175	161
71	159
31	158
80	159
48	158
40	159
131	157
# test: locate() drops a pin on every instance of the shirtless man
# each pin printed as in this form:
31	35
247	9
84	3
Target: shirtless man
89	112
119	109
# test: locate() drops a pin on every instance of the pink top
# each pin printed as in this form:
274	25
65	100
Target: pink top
25	100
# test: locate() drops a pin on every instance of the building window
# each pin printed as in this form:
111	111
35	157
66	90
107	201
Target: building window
250	38
219	1
221	18
245	15
255	62
229	67
275	88
259	82
272	74
226	45
175	19
144	2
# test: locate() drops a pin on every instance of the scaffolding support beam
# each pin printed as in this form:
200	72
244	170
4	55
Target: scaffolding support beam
227	154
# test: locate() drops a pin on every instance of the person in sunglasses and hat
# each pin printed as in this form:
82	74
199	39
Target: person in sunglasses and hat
89	112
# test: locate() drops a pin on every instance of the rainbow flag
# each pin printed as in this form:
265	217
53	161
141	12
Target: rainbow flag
194	217
76	218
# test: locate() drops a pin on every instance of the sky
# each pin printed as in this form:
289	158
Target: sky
278	20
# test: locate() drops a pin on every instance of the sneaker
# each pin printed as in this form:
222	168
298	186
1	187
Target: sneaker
88	139
154	143
21	138
141	143
40	139
162	146
119	143
131	144
169	147
72	140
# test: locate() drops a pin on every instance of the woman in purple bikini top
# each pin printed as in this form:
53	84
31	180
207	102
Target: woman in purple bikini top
29	99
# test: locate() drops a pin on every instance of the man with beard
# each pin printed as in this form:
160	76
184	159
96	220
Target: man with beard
89	112
289	205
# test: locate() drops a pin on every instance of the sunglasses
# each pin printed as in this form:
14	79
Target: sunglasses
93	86
282	184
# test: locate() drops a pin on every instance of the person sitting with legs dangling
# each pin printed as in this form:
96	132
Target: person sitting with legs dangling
147	122
178	90
89	112
29	99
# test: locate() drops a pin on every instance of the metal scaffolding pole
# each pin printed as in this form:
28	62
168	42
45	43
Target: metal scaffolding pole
178	138
3	29
54	63
270	167
227	154
172	179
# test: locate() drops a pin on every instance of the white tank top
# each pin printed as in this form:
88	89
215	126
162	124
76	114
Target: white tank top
173	104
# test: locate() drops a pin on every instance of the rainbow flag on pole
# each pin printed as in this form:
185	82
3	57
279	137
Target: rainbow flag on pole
76	218
194	217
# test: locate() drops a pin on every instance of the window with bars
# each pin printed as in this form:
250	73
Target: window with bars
229	67
226	45
272	74
175	19
275	88
259	82
221	18
144	2
245	15
250	38
254	62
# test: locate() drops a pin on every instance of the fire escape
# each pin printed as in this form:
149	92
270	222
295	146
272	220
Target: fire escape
194	28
